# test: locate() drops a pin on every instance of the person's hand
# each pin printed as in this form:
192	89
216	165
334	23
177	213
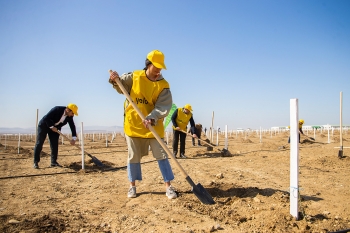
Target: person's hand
146	122
178	128
72	142
54	129
113	76
194	135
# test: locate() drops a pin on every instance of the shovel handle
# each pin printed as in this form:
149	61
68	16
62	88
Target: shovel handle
161	142
59	132
196	138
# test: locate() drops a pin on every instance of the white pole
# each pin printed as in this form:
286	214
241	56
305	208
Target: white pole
106	140
5	141
341	126
260	135
315	133
294	159
329	141
217	136
226	138
19	142
80	136
82	149
212	128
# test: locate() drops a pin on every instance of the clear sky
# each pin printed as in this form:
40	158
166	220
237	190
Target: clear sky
242	60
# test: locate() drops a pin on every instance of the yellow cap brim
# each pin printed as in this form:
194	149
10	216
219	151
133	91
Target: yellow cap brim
75	112
159	65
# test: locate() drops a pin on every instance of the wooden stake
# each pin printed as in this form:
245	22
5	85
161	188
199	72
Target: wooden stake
19	142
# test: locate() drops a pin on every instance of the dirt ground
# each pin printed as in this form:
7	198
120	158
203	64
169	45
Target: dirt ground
250	187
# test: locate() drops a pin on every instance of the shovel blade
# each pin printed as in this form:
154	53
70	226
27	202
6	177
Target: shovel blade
96	161
340	154
200	192
225	152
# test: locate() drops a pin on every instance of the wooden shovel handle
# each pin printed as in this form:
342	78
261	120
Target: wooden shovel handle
59	132
161	142
196	138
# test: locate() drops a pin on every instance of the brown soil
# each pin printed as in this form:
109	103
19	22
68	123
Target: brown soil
250	186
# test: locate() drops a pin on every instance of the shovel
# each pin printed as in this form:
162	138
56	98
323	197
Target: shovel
94	159
198	189
223	151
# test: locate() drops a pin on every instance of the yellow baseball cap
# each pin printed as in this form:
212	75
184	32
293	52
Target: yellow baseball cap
74	108
188	107
157	59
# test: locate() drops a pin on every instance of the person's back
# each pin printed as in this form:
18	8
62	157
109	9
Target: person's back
199	129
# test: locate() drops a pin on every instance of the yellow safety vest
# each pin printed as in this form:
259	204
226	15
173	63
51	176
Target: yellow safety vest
182	119
144	93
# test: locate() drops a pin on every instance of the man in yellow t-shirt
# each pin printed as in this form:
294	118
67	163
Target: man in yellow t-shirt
151	93
301	122
180	119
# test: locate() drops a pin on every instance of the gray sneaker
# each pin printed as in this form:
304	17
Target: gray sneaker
132	192
170	192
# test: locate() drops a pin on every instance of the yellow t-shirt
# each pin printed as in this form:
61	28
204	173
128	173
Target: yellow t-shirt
182	119
144	93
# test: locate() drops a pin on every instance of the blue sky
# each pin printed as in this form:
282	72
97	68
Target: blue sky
242	60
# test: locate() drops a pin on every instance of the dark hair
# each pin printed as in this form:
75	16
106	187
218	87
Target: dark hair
147	63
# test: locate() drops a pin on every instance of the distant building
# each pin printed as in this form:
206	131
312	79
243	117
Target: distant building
279	128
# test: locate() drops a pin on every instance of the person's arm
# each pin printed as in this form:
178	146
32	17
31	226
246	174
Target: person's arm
173	118
73	130
301	130
193	126
162	106
126	80
72	127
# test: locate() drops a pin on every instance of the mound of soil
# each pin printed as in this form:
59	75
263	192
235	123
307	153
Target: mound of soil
247	140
